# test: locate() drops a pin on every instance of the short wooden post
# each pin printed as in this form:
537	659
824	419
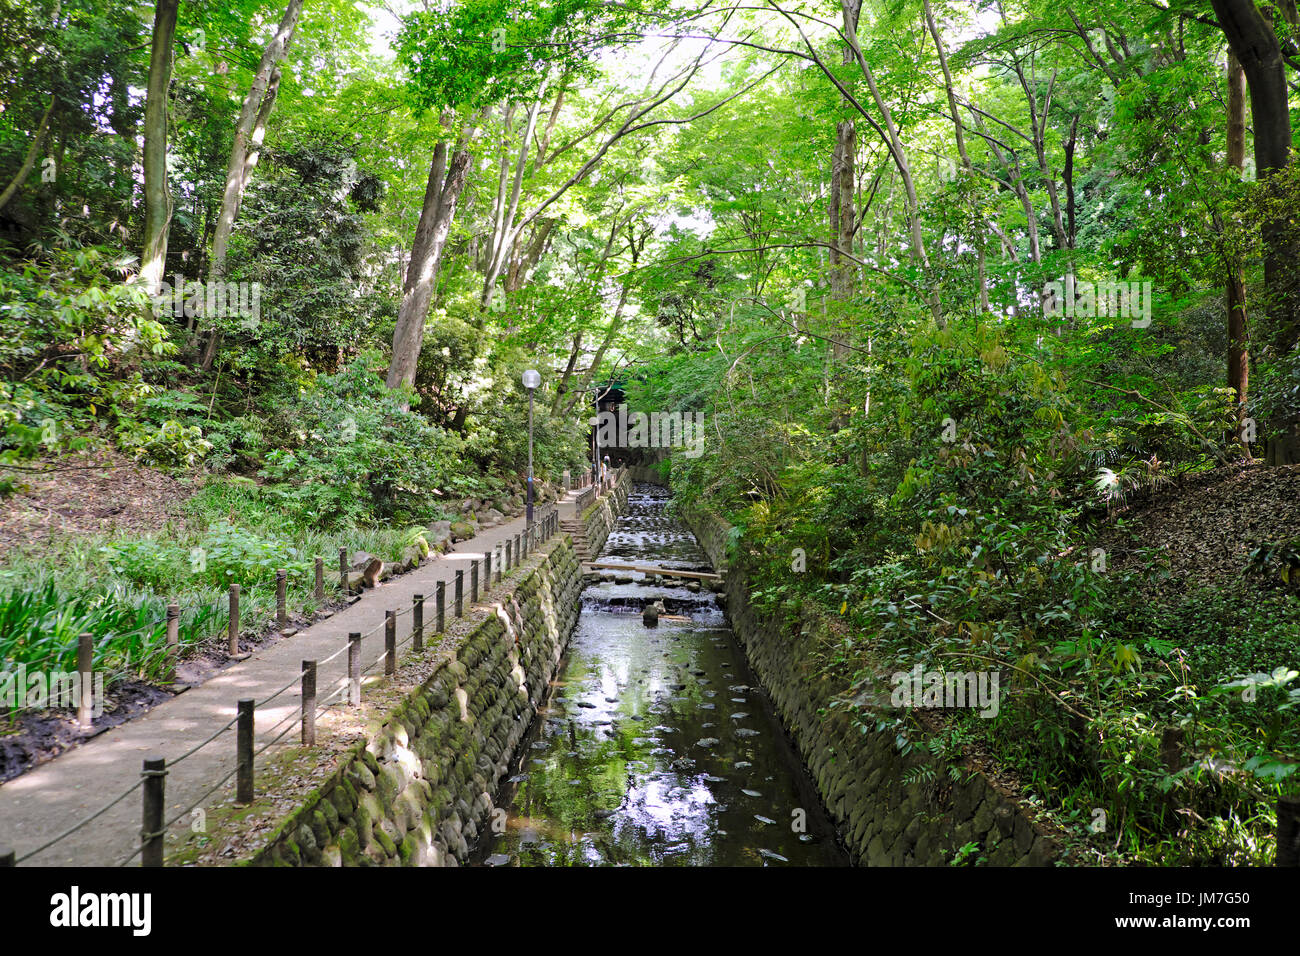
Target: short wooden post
244	751
460	593
473	582
343	570
508	564
521	544
417	623
151	831
85	670
487	571
8	857
173	637
500	570
281	593
309	703
354	669
390	643
1288	831
320	580
233	628
440	598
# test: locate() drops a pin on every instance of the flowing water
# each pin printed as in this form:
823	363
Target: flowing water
657	746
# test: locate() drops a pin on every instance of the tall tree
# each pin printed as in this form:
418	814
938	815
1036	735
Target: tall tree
245	149
157	193
1255	44
442	192
1238	337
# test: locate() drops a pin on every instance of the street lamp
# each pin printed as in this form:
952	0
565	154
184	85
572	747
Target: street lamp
531	381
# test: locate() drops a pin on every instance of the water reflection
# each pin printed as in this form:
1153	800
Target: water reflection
656	746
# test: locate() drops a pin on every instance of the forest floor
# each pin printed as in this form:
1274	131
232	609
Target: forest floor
1205	526
102	492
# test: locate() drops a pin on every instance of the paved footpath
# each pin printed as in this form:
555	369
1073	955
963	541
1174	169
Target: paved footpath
46	801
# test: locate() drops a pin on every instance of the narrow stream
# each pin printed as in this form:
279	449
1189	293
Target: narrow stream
657	746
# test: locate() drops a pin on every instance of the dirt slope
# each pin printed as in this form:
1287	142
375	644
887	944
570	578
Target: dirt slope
104	491
1207	525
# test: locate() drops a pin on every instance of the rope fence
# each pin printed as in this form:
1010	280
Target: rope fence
154	771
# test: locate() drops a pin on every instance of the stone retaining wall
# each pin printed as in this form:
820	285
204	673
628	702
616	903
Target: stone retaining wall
890	809
420	788
599	518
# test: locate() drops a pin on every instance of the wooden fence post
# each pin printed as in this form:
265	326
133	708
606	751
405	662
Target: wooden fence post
417	623
440	597
85	668
390	643
354	669
173	637
233	629
309	703
320	580
244	751
151	831
281	594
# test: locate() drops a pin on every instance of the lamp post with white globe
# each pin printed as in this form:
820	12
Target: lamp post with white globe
531	381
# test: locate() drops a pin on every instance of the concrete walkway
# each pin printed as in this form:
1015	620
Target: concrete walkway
48	800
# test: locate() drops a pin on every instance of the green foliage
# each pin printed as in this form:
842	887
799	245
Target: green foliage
480	52
40	626
349	449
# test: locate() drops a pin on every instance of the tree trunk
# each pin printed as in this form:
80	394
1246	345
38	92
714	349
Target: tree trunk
1238	335
959	134
842	209
507	231
440	197
562	389
611	333
1252	40
29	160
851	10
249	131
157	194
